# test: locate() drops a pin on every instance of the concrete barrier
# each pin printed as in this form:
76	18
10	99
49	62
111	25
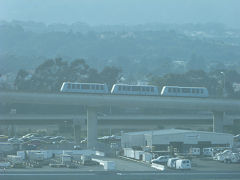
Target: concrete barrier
158	166
107	165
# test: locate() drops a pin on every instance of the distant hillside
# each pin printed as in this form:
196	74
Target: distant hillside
148	48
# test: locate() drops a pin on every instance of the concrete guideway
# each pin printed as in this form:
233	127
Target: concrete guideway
91	127
92	101
228	119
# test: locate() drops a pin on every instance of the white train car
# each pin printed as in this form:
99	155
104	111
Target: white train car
144	90
92	88
184	91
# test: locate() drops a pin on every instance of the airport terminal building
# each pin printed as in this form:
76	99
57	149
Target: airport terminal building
182	140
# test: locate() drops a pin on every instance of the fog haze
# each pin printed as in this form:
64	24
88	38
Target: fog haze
97	12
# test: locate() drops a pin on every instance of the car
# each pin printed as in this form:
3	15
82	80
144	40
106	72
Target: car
77	147
65	142
35	142
57	138
90	163
160	160
15	140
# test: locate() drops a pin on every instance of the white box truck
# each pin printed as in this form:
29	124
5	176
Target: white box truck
172	163
183	164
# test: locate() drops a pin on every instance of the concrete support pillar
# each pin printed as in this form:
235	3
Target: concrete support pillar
91	127
11	130
218	121
77	130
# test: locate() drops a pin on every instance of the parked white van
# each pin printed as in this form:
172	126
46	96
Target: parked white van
208	151
183	164
172	163
194	151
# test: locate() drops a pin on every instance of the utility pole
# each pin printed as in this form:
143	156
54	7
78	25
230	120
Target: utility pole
224	84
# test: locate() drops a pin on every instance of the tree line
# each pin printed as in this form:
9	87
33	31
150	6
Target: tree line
219	82
49	76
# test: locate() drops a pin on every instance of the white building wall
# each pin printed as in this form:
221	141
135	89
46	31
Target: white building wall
128	140
151	138
193	138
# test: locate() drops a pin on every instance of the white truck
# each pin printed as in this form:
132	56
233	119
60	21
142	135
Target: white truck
16	161
208	151
183	164
5	165
194	151
172	163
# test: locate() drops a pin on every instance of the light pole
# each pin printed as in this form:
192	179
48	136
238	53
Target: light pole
224	88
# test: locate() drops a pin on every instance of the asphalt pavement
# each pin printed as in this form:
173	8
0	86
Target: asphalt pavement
120	175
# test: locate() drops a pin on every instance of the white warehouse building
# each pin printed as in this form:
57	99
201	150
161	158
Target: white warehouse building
182	140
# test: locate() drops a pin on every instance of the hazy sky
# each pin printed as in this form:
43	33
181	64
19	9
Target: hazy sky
97	12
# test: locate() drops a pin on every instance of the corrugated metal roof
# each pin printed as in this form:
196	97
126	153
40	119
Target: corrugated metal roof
169	131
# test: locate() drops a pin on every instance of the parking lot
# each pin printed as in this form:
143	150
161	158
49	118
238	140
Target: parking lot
207	164
198	164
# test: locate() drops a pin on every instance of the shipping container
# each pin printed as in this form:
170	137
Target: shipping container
129	152
138	155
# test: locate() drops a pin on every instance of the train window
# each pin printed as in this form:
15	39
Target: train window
92	86
78	86
193	91
124	88
143	88
185	90
136	88
119	88
102	87
178	90
201	91
73	86
174	90
85	86
197	91
97	87
169	90
152	89
129	88
147	88
69	86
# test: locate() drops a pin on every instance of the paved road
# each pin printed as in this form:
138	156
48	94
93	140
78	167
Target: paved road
121	176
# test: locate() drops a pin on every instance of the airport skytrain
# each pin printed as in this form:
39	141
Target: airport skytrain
139	90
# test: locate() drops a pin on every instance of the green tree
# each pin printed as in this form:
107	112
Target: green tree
22	81
110	75
49	76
